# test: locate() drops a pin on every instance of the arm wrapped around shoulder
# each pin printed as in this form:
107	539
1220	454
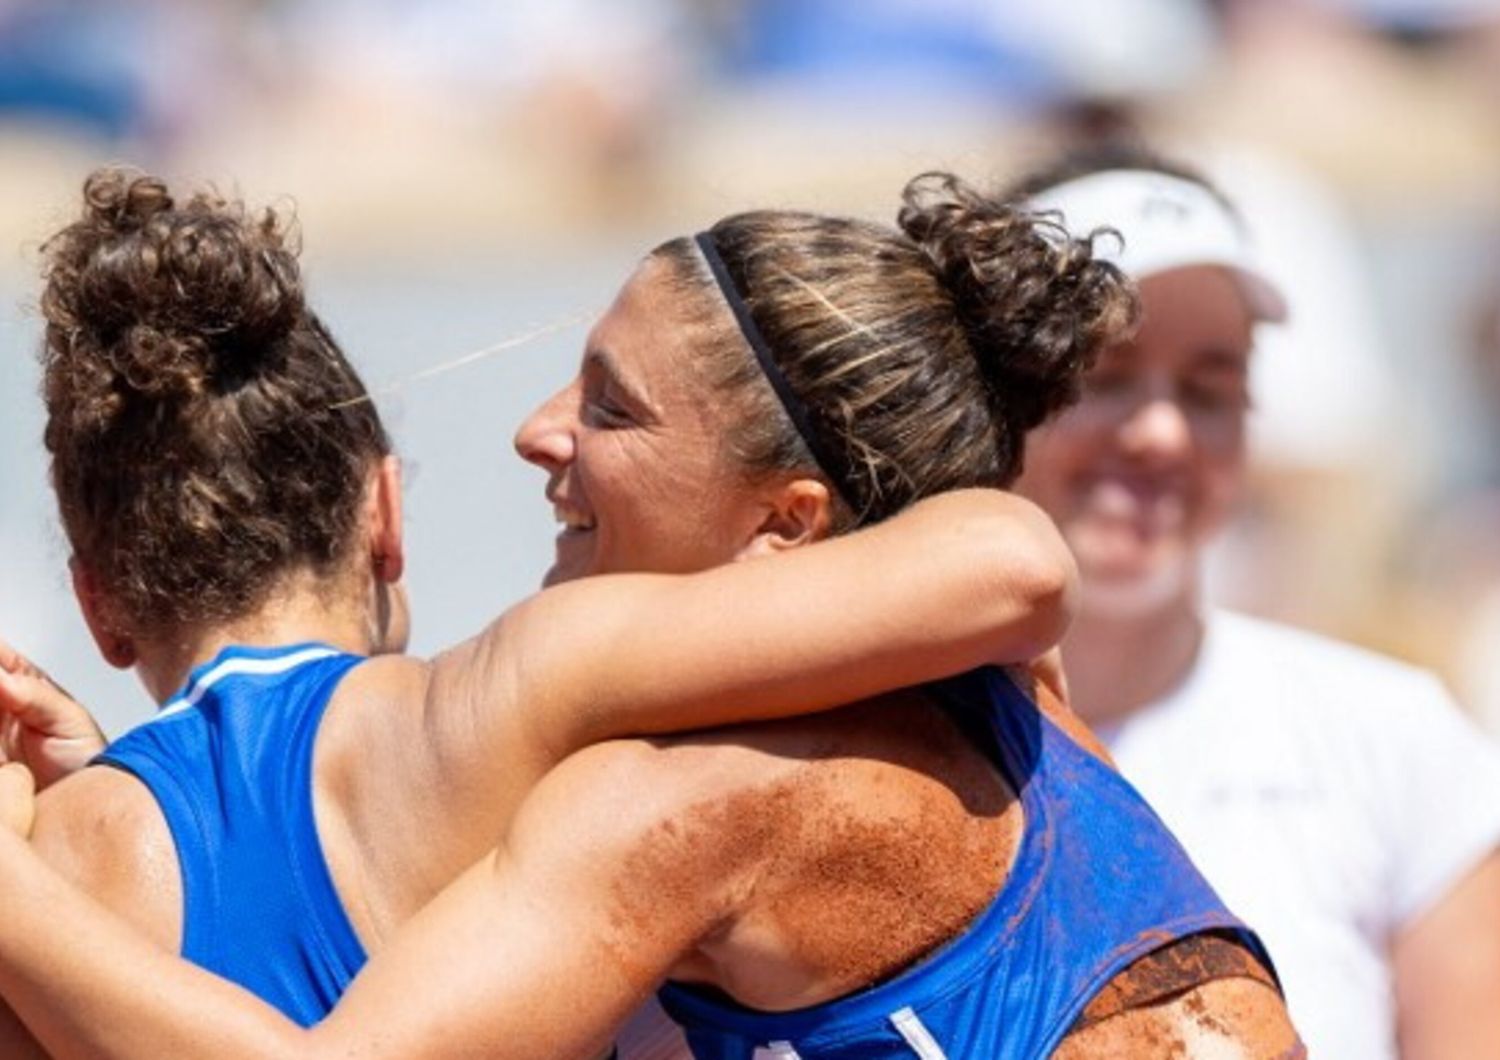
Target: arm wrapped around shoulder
1017	580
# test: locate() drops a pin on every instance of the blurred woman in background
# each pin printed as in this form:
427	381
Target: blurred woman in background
1336	799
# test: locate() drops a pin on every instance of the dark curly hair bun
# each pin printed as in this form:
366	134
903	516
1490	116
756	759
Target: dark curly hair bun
164	301
1036	304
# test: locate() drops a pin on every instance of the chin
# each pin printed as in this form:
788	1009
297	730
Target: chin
1120	588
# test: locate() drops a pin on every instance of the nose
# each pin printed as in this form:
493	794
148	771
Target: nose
1157	429
546	437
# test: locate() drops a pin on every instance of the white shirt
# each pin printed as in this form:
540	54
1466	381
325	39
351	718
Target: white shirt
1331	796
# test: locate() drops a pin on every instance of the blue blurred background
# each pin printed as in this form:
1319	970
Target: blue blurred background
466	171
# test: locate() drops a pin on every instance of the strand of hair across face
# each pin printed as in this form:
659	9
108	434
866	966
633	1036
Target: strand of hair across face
468	359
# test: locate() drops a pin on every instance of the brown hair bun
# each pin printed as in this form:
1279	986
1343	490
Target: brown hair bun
1035	303
162	302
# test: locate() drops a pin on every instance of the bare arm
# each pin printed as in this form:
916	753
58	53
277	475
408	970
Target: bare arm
541	951
1238	1018
1447	972
957	581
17	812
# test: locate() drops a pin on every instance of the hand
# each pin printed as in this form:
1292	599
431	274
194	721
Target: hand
17	799
41	726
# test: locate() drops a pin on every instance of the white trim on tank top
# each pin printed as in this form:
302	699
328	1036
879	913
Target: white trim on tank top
776	1051
907	1024
259	667
910	1026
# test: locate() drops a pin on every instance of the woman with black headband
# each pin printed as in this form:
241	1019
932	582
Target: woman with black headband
943	871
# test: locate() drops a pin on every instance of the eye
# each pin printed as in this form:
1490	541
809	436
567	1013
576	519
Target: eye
604	410
1224	394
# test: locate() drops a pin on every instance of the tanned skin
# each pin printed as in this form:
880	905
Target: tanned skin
779	862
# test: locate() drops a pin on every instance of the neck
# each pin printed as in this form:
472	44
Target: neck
1118	662
165	662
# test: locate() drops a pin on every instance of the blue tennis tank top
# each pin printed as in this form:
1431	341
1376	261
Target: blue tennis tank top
1098	882
229	761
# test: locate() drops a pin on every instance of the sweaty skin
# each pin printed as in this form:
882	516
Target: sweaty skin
780	862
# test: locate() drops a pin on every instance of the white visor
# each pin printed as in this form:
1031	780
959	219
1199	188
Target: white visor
1165	222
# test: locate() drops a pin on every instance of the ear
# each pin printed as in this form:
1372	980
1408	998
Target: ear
796	514
387	552
118	650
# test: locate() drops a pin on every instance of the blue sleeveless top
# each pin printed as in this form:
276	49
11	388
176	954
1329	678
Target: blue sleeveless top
229	761
1098	882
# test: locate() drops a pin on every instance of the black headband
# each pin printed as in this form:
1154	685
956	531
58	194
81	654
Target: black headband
832	464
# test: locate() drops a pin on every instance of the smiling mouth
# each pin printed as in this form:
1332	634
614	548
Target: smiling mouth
574	523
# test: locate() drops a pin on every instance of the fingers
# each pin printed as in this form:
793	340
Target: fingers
12	661
41	706
17	798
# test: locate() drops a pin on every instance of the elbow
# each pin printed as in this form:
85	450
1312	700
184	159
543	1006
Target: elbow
1032	584
1048	593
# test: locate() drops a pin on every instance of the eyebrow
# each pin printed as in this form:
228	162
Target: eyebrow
601	360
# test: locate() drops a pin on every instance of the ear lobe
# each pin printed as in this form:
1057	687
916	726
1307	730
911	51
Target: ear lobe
118	650
387	551
800	513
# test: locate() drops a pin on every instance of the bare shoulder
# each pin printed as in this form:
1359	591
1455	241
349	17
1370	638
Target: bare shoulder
663	793
669	838
827	843
1234	1019
392	688
102	829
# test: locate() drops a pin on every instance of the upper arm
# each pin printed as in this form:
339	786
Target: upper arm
102	831
1447	972
544	949
1438	782
1226	1017
959	580
99	830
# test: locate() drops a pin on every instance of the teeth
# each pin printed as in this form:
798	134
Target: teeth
572	520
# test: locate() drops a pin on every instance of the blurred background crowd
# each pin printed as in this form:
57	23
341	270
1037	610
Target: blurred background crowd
469	171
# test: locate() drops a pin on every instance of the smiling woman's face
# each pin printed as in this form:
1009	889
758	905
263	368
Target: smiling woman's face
637	475
1144	470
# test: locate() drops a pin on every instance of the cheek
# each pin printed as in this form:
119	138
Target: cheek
1056	455
1220	460
656	504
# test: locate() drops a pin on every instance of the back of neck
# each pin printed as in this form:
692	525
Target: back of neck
165	661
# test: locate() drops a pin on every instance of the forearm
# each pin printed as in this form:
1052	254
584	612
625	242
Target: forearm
957	581
88	986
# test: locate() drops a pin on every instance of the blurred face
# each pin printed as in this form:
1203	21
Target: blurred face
631	448
1145	469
